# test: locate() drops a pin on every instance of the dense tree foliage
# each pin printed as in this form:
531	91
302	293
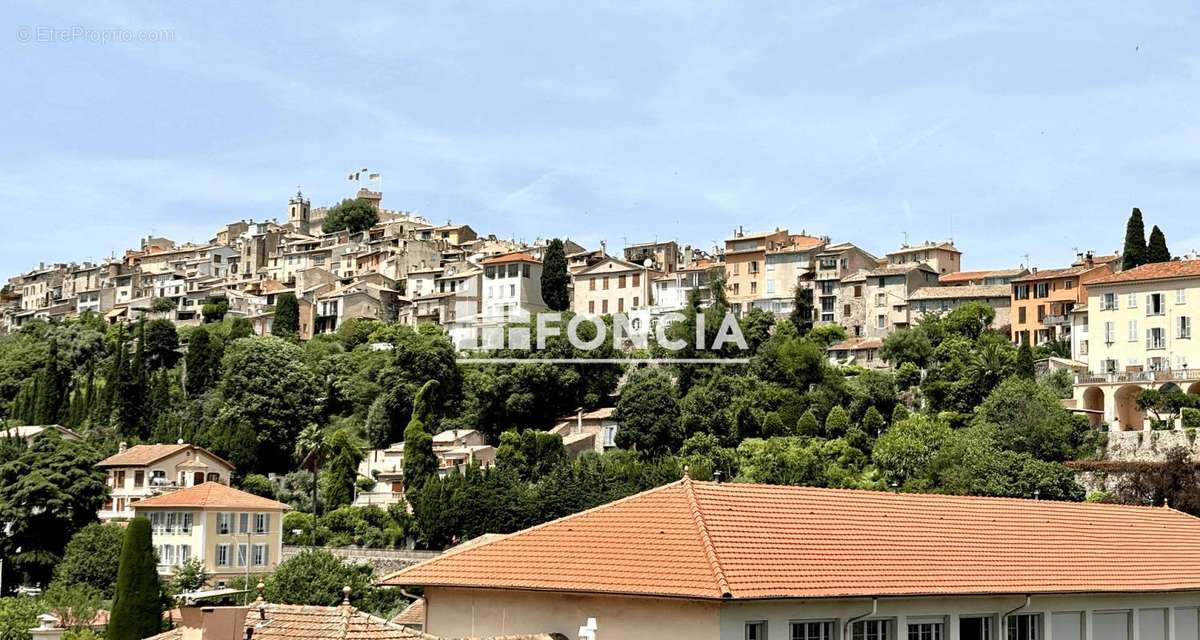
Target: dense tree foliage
137	602
556	281
1133	254
92	557
1156	248
352	214
286	321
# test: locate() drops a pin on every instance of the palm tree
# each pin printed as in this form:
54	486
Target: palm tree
991	364
312	447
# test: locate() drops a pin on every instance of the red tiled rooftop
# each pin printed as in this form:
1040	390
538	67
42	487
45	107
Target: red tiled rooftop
967	276
519	256
700	540
1154	271
211	495
144	454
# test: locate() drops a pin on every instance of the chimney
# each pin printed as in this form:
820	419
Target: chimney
1033	270
123	447
47	628
1090	259
212	623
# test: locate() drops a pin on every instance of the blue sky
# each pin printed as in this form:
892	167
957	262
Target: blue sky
1014	128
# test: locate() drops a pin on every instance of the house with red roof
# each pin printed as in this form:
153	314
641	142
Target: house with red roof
707	561
145	470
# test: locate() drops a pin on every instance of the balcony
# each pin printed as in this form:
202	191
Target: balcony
1056	320
1164	375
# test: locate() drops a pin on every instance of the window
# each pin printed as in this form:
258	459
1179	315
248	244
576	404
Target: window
870	630
753	286
1021	292
1024	627
185	522
1181	296
925	630
1041	312
770	286
756	630
637	279
525	271
213	476
591	284
260	555
620	305
621	281
224	523
880	299
604	306
241	555
635	302
1108	302
754	266
184	553
139	478
857	290
222	555
1185	328
1156	304
1069	284
592	304
243	523
1133	332
1021	315
166	554
811	630
120	482
512	290
881	321
605	283
1131	301
1110	332
1156	338
1041	290
261	522
846	310
514	270
975	628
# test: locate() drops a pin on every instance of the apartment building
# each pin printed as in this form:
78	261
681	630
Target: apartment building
512	287
942	300
663	257
671	292
886	293
745	266
455	449
942	257
613	285
835	299
142	471
789	266
987	277
1042	301
233	533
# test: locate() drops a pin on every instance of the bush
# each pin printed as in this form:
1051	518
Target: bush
92	558
908	376
1191	418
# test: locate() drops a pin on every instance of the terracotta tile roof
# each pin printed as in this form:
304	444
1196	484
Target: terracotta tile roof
144	454
517	256
413	614
899	269
1047	274
967	276
700	540
211	495
306	622
1154	271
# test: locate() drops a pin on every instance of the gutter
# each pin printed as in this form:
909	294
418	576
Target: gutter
849	621
1004	616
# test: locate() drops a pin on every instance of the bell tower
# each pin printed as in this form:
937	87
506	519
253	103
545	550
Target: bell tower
298	212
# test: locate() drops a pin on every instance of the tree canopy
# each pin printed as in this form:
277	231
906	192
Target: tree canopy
352	214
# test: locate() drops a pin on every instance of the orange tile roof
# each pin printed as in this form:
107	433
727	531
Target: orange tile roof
309	622
966	276
700	540
211	495
1154	271
1048	274
413	614
518	256
144	454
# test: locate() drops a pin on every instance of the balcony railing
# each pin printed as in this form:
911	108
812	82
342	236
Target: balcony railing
1056	320
1165	375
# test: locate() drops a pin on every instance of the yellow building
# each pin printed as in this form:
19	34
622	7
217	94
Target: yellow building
613	286
146	470
232	532
745	266
1140	334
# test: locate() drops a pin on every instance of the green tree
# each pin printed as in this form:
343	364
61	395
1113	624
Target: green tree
353	215
1025	367
18	616
162	345
312	449
51	389
266	386
189	576
214	308
259	485
1027	417
555	279
802	310
47	493
808	425
92	557
1156	250
346	451
1174	482
837	422
137	604
649	414
75	605
316	577
908	375
873	423
419	462
531	454
286	322
203	362
162	305
907	345
1134	253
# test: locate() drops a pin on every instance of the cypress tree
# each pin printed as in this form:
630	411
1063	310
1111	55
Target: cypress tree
137	603
286	323
808	425
837	422
50	390
1025	368
1134	253
1156	250
873	423
555	278
419	462
200	365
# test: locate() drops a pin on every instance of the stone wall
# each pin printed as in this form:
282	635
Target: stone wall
1150	446
383	561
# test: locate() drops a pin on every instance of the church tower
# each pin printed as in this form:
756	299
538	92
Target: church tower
298	212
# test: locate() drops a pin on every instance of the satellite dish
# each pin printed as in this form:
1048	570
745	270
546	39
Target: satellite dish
648	262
